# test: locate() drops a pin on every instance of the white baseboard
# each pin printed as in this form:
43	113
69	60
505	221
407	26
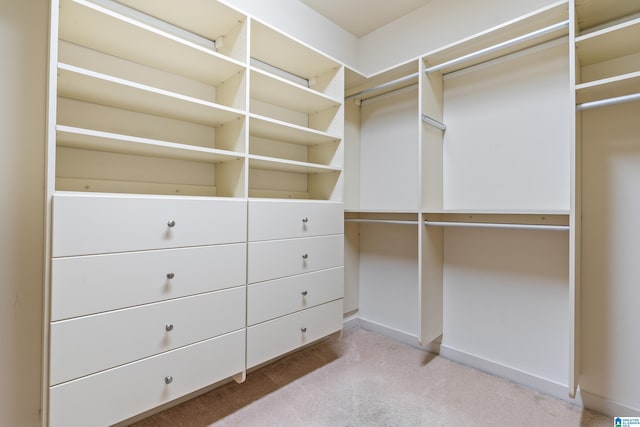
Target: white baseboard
607	406
401	336
534	382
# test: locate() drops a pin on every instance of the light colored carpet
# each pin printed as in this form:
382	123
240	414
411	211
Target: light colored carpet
365	379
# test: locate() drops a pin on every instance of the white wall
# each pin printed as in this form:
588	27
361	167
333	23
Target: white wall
434	25
303	23
506	299
23	49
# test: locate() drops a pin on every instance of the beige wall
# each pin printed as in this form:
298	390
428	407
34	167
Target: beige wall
23	49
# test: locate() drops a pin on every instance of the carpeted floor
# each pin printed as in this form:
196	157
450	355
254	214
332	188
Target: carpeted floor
365	379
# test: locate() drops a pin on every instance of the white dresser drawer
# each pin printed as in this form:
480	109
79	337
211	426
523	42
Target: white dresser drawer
274	219
94	343
275	298
115	395
275	337
92	284
94	224
281	258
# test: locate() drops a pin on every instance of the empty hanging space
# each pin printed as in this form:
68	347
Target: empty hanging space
295	123
133	119
610	247
608	49
506	146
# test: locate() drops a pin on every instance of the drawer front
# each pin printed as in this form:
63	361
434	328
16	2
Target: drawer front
281	258
276	337
270	220
97	283
91	344
115	395
275	298
94	224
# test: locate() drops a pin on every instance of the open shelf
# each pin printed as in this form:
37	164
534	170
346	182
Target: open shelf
213	21
625	84
283	165
110	142
143	43
609	43
591	13
279	91
555	15
274	48
89	86
265	127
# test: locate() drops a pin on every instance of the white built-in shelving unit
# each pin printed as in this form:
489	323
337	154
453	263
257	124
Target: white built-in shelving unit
606	51
180	134
486	138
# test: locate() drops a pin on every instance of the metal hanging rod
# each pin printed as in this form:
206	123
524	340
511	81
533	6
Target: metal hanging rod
608	101
433	122
384	86
382	221
512	42
497	225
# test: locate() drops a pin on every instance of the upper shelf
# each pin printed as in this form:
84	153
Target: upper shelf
608	43
212	20
549	22
89	86
67	136
278	50
268	128
278	91
619	85
591	13
284	165
146	43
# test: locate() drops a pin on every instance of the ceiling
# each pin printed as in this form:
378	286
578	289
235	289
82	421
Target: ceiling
360	17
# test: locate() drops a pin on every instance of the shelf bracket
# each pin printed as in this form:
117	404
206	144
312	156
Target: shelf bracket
433	122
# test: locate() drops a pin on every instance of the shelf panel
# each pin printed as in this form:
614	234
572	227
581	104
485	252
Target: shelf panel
553	14
625	84
89	86
609	43
212	20
278	50
265	127
68	136
281	165
495	212
596	12
126	38
277	91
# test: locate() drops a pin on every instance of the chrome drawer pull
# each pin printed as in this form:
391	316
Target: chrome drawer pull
304	293
168	327
171	223
305	256
305	220
170	275
303	330
168	379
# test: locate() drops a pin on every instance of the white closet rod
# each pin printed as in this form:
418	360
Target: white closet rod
495	225
433	122
384	86
382	221
515	41
608	101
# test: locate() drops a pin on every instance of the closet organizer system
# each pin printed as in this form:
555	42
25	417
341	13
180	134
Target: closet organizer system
495	149
194	202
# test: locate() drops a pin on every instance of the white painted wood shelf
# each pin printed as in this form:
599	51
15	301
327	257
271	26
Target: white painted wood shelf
609	43
283	165
266	127
90	86
89	139
592	13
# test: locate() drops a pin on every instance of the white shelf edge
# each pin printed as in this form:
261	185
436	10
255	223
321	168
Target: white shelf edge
608	30
609	80
165	148
495	212
302	129
285	165
295	86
